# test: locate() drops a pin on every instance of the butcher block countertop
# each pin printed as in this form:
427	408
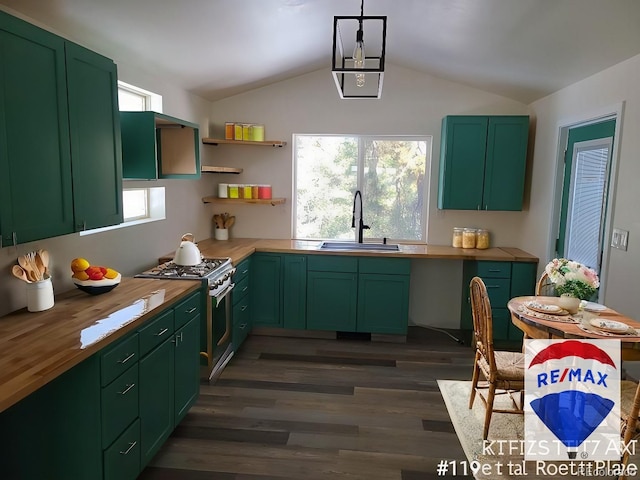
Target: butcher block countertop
37	347
240	248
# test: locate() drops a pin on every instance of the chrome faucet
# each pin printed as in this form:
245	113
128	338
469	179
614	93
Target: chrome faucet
356	219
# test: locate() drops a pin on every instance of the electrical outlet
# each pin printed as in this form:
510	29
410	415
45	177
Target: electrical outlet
620	238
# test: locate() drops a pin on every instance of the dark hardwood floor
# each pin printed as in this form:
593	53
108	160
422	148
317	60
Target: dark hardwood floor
308	409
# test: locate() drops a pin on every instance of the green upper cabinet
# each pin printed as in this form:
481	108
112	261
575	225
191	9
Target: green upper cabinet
60	163
156	146
482	162
35	156
95	138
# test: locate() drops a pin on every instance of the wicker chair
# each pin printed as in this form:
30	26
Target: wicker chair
503	371
629	408
544	286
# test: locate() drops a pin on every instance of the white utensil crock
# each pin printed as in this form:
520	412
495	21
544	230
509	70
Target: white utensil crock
40	295
222	234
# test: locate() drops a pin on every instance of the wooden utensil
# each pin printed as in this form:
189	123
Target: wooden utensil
44	256
39	264
19	272
23	261
229	221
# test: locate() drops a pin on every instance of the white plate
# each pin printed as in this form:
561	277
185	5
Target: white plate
609	325
594	307
544	308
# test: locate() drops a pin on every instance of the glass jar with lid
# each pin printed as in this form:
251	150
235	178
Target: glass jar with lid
469	238
457	237
482	239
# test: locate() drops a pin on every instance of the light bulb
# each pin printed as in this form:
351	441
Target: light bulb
358	58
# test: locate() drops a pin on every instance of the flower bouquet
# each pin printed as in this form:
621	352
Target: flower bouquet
572	278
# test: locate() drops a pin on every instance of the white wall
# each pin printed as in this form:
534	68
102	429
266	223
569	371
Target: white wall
132	249
591	97
412	104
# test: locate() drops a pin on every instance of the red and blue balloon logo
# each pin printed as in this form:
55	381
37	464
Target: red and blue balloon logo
572	387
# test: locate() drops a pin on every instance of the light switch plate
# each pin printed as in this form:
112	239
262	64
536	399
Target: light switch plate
620	238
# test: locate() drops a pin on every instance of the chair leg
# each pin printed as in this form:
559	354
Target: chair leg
487	416
474	380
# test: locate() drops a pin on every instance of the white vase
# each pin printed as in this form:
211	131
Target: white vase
569	303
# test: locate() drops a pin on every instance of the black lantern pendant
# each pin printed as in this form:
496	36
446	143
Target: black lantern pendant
359	75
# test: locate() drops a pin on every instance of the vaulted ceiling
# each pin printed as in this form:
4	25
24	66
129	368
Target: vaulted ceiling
522	49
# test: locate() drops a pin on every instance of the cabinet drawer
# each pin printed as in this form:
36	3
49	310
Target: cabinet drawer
186	310
119	405
499	291
122	459
118	358
393	266
240	290
494	269
155	332
328	263
242	270
241	323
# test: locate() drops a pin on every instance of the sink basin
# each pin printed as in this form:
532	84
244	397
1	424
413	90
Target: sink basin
359	246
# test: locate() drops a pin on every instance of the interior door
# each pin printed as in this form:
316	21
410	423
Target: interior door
584	195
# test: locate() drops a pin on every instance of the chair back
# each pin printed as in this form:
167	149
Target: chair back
482	321
544	286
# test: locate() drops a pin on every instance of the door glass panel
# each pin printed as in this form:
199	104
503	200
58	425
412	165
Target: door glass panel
587	202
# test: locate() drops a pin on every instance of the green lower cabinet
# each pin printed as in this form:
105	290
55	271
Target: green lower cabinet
266	289
504	280
119	405
55	432
241	322
294	308
332	301
122	459
156	399
186	368
383	303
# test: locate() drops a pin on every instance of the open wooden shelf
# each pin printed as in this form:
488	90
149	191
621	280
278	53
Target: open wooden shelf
255	201
266	143
208	169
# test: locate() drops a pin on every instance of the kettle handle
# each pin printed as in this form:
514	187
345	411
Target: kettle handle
187	237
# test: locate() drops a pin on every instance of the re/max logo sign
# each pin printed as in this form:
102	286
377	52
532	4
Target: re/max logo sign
572	375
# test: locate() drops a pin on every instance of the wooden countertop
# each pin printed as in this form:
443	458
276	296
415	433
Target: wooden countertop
37	347
240	248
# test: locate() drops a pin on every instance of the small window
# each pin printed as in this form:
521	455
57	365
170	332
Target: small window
135	203
135	99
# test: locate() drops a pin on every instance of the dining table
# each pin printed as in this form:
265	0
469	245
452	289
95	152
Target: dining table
541	317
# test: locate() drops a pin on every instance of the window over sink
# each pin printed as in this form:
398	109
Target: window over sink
390	171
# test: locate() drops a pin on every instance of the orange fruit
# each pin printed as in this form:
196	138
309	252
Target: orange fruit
79	264
81	276
111	273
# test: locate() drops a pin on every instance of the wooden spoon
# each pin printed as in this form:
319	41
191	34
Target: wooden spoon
39	264
19	272
44	256
230	221
24	262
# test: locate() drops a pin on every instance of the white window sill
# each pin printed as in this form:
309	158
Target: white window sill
121	225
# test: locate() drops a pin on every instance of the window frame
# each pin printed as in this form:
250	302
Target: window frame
361	138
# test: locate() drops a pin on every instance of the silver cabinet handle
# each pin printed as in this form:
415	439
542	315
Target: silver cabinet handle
245	272
177	339
131	445
493	286
162	332
126	390
243	326
495	270
245	289
243	308
127	359
191	310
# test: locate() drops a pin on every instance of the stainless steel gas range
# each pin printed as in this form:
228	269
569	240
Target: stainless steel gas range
216	342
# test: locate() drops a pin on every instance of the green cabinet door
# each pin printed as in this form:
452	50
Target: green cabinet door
383	303
187	368
294	308
462	159
332	300
241	322
54	433
266	290
506	161
482	162
122	459
156	399
34	135
523	282
95	138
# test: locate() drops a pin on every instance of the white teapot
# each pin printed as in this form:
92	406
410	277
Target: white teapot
188	253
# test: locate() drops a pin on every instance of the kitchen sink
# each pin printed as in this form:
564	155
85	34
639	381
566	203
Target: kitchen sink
389	247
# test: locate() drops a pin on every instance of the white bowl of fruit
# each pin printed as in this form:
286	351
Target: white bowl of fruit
93	279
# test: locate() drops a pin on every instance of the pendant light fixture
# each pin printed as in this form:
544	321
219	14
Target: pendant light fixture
359	75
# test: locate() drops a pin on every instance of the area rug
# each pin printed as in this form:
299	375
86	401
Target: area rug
468	426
